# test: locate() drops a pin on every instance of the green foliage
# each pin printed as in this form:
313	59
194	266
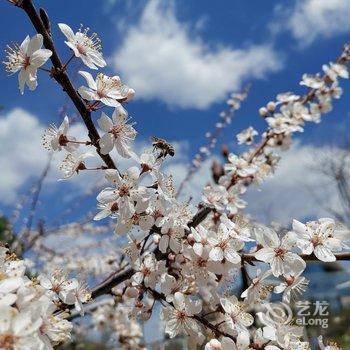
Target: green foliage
6	234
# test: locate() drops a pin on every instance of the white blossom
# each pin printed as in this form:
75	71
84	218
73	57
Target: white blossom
178	319
18	330
88	48
27	58
235	315
118	133
109	90
56	138
73	163
321	237
247	136
276	252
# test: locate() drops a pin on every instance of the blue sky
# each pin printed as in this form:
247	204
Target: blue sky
182	58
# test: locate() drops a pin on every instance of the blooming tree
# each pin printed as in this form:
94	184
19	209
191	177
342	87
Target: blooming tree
182	256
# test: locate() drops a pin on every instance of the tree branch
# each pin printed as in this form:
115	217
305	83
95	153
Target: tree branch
59	74
340	256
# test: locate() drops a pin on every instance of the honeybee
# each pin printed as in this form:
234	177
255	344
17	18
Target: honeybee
164	147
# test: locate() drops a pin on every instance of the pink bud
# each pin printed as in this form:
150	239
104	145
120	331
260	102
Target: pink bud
190	239
263	111
156	239
130	94
131	292
271	106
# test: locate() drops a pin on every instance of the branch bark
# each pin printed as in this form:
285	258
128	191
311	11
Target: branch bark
62	78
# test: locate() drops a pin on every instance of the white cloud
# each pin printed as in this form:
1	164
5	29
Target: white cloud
161	59
296	190
23	156
21	152
310	19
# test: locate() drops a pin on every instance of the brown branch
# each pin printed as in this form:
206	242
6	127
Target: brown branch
198	318
340	256
59	74
113	280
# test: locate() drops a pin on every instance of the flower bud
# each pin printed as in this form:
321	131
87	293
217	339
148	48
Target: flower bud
156	239
131	292
171	256
271	106
190	239
263	111
130	94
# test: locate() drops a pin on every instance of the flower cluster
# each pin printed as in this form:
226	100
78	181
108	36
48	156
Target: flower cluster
179	255
30	308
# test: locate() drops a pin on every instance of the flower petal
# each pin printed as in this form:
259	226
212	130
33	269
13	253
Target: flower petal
89	79
67	31
36	42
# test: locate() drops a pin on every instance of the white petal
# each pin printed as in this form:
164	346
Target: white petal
105	123
232	256
25	43
10	284
40	57
265	254
324	254
67	31
216	254
89	79
106	143
88	94
163	243
111	102
36	42
97	58
227	305
122	149
106	196
22	78
179	301
198	249
102	214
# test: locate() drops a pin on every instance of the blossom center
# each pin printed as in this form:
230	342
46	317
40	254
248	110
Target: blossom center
116	130
181	316
289	280
223	244
62	140
233	317
280	252
56	288
7	341
201	262
316	240
124	191
136	218
145	271
114	207
81	48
